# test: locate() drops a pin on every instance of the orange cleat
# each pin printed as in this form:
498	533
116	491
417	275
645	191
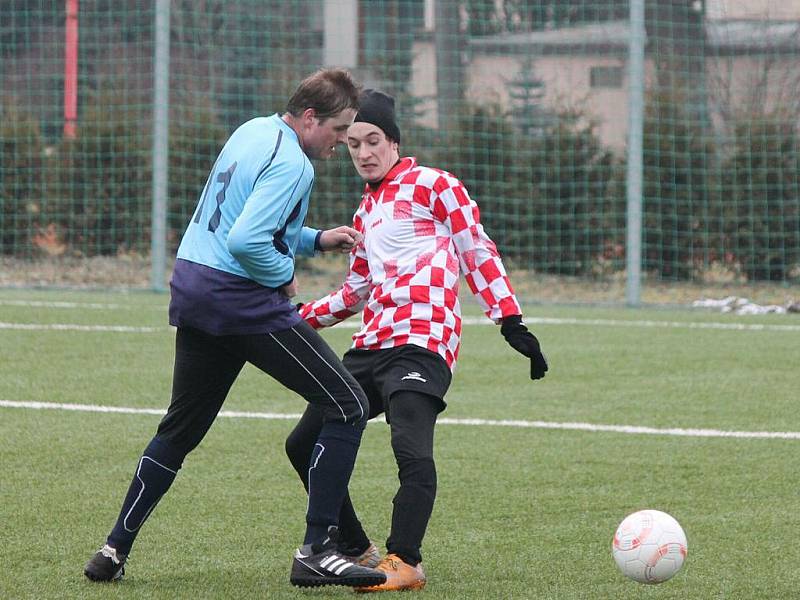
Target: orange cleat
399	576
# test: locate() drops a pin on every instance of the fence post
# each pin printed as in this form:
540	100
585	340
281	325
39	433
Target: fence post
340	33
449	45
633	248
158	231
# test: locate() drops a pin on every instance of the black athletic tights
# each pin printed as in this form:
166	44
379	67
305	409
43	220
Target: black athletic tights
205	368
412	417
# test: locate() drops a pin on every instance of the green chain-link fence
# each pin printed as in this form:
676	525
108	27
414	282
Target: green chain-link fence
528	102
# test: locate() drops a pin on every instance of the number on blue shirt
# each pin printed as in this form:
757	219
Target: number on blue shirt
224	178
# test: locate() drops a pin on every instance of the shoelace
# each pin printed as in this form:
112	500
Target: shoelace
110	553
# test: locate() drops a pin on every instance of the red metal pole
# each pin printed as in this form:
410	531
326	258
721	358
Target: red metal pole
71	69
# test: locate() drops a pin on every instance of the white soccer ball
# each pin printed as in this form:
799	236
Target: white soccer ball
649	546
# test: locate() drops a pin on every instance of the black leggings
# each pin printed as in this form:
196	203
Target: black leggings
206	367
412	417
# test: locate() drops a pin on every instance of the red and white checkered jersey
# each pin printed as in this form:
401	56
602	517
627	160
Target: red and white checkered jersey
421	229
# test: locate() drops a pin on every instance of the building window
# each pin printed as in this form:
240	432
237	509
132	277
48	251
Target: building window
605	77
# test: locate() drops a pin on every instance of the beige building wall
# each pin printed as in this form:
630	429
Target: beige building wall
737	86
753	9
748	85
567	82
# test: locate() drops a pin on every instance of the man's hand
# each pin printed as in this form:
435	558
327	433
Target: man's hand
343	239
290	289
524	342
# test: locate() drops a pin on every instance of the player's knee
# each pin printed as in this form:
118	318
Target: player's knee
359	415
419	472
407	447
166	453
300	442
412	430
298	450
362	419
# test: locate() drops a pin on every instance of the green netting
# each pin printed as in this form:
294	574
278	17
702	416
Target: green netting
526	101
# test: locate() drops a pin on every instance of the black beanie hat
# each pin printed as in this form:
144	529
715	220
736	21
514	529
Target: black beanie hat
377	108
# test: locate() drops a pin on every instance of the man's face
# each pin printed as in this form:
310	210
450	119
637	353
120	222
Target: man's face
372	152
320	138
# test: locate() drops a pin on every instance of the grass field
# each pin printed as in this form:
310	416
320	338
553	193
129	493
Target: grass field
522	512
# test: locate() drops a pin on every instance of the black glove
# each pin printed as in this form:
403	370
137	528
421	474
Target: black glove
298	306
524	342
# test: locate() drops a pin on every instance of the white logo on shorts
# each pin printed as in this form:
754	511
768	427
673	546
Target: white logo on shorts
416	376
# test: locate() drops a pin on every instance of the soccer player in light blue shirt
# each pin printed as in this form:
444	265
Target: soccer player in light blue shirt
235	264
231	289
249	221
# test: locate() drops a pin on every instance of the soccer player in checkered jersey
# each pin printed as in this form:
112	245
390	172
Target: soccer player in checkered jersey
420	230
231	285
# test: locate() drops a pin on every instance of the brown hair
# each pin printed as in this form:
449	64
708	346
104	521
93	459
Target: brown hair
328	92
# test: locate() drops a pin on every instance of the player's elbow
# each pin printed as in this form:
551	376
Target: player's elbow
246	252
357	307
238	244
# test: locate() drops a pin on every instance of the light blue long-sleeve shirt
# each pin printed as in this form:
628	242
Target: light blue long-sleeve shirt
249	220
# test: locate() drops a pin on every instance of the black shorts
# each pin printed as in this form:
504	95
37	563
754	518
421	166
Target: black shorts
381	373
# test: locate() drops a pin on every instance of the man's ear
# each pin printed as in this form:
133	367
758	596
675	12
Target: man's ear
308	116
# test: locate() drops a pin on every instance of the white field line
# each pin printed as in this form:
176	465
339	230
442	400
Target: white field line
75	327
133	411
661	324
79	305
354	324
590	427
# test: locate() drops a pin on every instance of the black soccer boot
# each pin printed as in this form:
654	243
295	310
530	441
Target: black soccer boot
106	565
323	564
